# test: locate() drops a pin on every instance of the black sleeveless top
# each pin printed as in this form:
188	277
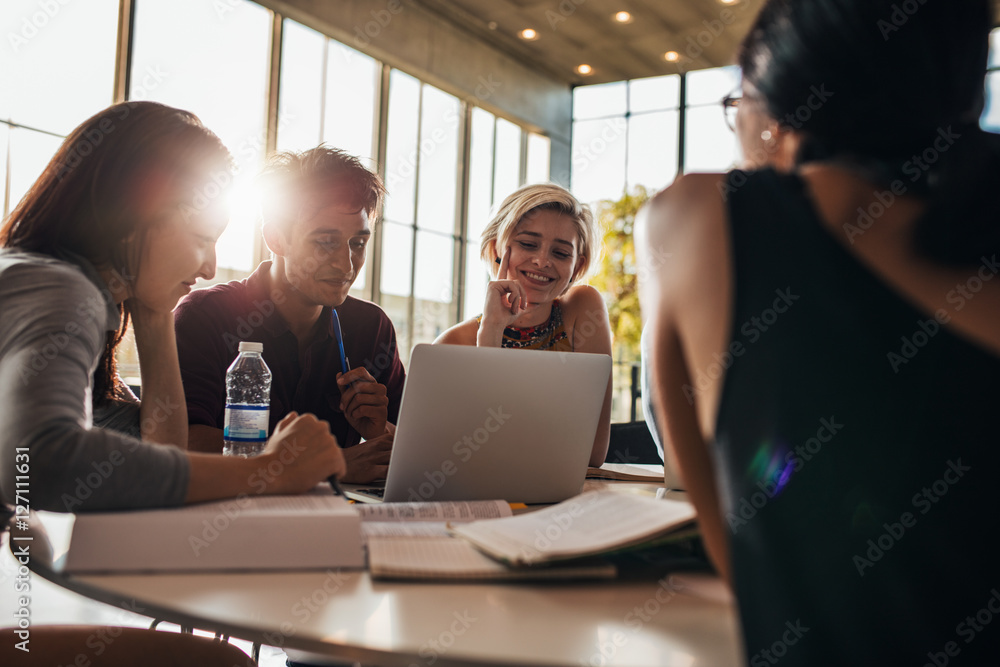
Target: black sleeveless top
857	452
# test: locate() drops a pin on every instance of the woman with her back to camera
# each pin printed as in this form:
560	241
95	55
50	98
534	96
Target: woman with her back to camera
539	245
843	464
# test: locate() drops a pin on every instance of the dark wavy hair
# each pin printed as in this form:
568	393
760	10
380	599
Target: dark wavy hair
874	84
88	200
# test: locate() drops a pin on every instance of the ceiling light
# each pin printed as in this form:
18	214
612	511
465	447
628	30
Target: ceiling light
623	17
584	69
729	2
671	56
528	34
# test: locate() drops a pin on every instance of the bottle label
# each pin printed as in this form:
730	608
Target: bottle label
246	423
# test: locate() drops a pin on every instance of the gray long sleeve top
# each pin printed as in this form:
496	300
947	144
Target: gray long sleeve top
53	321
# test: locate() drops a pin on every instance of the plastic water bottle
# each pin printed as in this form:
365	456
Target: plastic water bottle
248	400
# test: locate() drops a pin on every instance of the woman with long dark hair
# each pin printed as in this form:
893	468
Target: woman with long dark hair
826	343
119	226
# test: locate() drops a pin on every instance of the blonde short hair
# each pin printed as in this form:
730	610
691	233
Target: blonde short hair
530	198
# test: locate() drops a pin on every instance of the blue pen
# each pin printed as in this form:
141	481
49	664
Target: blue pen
339	336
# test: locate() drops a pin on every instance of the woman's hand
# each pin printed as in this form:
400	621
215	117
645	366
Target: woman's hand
300	454
505	301
163	410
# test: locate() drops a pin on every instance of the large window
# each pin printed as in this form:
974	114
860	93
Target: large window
709	144
420	231
328	95
56	69
212	59
991	115
625	134
494	172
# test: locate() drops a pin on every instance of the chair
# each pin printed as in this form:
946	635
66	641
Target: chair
631	442
102	645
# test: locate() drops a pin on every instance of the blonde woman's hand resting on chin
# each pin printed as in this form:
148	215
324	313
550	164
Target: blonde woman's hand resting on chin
505	301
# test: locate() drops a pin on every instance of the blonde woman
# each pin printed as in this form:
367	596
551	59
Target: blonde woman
539	246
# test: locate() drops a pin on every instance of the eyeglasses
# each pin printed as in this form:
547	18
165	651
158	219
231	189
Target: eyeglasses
730	104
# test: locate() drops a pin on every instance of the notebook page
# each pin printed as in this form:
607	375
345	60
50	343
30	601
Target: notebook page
435	511
586	524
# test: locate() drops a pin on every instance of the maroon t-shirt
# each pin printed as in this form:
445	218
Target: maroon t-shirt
211	323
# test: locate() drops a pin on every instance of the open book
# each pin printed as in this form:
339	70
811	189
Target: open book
312	531
625	472
592	523
411	541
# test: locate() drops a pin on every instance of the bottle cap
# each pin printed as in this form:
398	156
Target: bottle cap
247	346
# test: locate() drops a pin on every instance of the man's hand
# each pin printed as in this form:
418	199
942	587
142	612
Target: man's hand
364	402
368	461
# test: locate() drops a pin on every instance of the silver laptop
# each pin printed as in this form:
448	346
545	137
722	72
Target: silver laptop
484	423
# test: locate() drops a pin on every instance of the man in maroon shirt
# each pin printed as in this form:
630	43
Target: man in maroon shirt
316	213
